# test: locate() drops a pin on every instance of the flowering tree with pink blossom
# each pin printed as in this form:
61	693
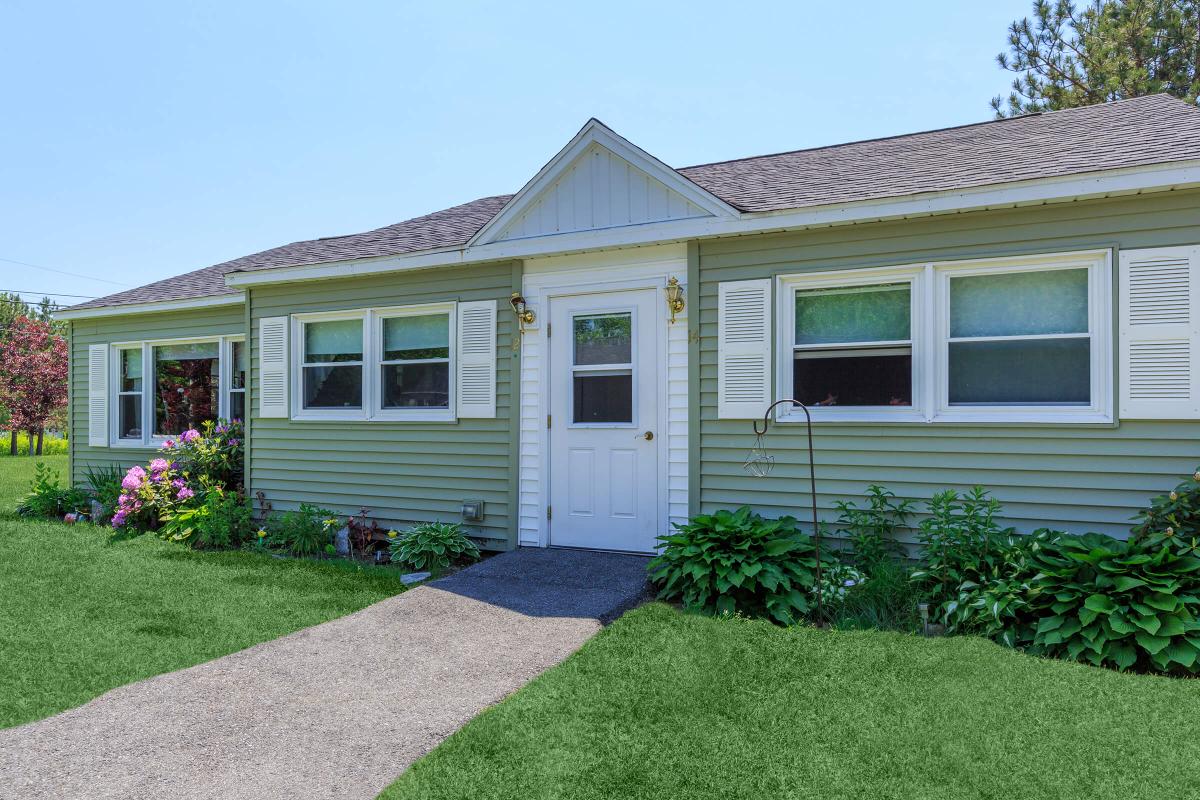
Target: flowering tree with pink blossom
33	377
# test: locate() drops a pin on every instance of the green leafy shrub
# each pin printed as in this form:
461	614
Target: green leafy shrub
433	547
221	520
1175	514
738	562
105	485
871	531
51	445
885	600
1126	605
304	532
960	542
48	497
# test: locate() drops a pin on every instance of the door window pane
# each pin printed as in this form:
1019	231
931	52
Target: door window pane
1032	371
131	370
333	387
416	385
603	339
867	377
129	421
1019	303
414	338
848	315
186	386
333	341
603	398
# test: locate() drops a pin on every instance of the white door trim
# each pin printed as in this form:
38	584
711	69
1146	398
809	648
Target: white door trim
646	268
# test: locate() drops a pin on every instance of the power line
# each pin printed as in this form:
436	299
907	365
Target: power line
49	294
64	272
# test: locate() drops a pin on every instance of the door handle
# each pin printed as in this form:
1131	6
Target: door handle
648	436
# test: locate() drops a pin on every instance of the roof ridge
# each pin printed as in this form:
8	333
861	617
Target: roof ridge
930	130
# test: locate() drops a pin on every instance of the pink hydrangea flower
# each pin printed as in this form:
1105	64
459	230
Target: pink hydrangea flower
118	519
168	444
190	435
134	478
159	465
178	483
185	493
234	442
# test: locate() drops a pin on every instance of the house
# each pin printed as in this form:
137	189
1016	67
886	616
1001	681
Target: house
1011	303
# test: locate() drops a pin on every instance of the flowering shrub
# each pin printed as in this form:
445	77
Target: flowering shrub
174	489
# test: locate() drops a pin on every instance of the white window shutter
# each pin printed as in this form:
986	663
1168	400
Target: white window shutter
98	395
1160	333
273	367
476	379
743	349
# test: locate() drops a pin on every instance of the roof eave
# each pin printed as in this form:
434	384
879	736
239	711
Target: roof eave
1079	186
155	307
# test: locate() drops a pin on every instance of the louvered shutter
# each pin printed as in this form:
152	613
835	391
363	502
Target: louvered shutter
273	367
98	395
1160	333
476	379
743	349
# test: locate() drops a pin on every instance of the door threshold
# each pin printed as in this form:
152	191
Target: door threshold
602	550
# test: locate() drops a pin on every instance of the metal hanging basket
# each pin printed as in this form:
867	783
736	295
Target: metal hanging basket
759	463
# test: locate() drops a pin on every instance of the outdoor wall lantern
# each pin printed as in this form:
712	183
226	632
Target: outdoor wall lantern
675	301
524	315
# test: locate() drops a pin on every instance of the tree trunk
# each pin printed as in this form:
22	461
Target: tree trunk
31	433
41	433
12	442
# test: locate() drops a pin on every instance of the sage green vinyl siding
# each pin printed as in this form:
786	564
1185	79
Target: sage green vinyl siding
403	472
218	321
1073	477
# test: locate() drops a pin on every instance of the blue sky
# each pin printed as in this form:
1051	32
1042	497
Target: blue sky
143	140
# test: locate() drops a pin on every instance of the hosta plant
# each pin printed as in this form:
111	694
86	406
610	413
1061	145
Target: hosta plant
1126	605
738	562
434	547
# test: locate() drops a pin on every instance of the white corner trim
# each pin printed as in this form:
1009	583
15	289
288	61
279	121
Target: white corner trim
596	132
151	308
1134	180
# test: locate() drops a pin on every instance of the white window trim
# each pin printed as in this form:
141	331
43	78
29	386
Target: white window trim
930	340
149	438
226	368
372	365
917	278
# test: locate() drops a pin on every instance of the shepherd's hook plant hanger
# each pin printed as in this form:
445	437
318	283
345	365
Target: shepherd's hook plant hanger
759	464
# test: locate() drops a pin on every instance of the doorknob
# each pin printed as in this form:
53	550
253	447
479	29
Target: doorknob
648	436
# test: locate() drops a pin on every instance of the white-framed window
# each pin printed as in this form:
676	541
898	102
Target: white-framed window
163	387
395	363
1022	339
603	385
235	378
853	344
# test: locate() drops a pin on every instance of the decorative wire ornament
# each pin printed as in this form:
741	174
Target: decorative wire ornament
759	463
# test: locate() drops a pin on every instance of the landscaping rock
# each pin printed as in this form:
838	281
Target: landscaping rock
414	577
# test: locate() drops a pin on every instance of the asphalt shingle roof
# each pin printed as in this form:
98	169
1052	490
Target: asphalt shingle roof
1128	133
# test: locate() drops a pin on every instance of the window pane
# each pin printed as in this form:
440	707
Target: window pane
238	371
867	314
416	385
333	387
604	339
868	377
603	398
336	340
129	423
1031	372
186	386
1019	303
412	338
237	405
131	370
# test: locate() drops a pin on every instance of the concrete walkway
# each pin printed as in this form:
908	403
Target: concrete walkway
334	711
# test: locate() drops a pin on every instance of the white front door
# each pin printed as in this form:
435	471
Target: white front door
604	431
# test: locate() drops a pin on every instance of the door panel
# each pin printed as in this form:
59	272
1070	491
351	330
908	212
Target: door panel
603	391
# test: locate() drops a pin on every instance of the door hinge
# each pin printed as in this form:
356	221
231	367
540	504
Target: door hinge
548	329
547	420
548	514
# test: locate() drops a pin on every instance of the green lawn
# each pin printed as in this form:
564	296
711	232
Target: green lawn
79	616
669	705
